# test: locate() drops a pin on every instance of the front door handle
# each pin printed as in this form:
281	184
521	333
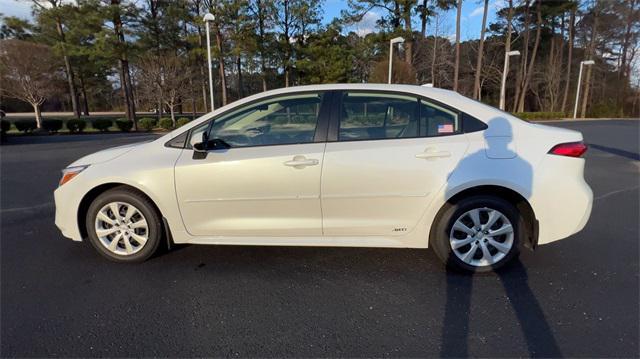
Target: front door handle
300	162
432	155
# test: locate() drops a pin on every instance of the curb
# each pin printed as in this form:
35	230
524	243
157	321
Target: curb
587	119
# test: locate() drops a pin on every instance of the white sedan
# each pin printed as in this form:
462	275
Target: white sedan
356	165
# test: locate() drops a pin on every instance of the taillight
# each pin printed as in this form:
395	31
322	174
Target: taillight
570	149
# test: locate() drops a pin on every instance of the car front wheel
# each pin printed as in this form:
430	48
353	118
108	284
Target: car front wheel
123	225
478	234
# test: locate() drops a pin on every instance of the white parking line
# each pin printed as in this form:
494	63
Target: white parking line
26	209
608	194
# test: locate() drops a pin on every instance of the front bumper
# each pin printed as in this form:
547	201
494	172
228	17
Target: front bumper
67	203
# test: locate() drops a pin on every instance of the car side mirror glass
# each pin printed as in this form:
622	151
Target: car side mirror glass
199	151
200	148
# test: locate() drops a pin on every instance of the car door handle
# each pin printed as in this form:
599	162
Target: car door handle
431	155
301	162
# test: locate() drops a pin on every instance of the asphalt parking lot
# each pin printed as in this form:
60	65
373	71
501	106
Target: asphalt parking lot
575	298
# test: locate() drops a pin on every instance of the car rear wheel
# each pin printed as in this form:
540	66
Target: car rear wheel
478	234
123	225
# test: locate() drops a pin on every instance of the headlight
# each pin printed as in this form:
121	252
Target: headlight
70	172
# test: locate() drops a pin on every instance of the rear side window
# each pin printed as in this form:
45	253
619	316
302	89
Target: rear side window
437	121
371	116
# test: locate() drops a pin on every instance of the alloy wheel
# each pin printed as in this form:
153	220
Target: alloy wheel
121	228
481	237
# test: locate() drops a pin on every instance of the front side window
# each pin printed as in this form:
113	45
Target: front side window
196	134
372	116
278	121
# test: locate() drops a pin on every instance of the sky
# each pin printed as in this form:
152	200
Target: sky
21	9
470	25
469	28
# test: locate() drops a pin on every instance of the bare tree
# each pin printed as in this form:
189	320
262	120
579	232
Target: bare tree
631	20
166	78
590	53
507	48
403	72
264	12
552	74
567	79
435	49
53	9
121	50
529	70
29	73
196	6
223	81
456	68
476	84
525	52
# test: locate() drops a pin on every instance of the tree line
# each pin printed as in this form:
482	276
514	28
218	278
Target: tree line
102	55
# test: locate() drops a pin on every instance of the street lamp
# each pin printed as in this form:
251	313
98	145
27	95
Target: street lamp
503	90
395	40
582	63
207	18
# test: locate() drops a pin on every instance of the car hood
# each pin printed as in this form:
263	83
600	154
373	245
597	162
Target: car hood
105	155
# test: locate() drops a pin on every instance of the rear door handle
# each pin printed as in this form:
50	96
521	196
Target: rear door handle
301	162
431	155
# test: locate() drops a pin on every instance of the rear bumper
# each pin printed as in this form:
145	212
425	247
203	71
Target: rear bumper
562	200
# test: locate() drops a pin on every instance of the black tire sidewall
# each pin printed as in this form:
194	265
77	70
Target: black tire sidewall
452	211
144	206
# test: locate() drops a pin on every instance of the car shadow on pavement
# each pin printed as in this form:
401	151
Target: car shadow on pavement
616	151
514	279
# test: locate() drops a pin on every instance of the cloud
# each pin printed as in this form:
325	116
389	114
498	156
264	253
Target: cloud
477	11
368	23
499	4
495	6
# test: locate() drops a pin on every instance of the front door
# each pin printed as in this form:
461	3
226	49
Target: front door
267	183
391	155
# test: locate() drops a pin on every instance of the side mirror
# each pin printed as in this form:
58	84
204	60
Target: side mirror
201	149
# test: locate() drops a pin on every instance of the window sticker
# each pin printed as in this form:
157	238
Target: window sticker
448	128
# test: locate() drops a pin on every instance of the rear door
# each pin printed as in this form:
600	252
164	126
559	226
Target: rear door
268	182
387	155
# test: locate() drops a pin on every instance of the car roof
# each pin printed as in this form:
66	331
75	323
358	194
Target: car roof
423	90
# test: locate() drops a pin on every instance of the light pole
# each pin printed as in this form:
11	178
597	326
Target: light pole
209	17
582	63
503	89
395	40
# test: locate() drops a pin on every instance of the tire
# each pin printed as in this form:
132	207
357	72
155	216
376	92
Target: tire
137	237
469	256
